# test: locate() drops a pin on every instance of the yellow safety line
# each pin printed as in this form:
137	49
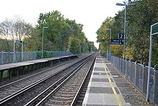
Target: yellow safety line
118	99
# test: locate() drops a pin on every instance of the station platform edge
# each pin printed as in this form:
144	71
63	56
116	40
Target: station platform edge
108	88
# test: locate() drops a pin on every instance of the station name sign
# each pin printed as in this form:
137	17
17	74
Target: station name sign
154	29
17	41
117	42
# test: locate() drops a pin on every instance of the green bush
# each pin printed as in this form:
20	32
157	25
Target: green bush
38	54
46	54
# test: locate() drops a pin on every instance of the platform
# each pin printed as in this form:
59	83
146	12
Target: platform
8	71
25	63
107	87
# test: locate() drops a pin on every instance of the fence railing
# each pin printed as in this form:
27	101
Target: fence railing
10	57
137	74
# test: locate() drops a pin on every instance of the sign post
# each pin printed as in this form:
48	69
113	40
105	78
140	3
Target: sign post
153	31
14	57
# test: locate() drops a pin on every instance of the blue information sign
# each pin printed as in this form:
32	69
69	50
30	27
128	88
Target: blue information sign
17	41
117	41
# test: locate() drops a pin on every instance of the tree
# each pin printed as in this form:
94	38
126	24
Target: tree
33	42
61	34
75	46
103	36
14	29
139	20
55	23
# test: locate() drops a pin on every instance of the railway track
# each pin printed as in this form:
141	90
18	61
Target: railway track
66	92
24	94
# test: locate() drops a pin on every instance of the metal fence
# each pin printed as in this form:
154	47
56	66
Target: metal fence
10	57
137	74
61	53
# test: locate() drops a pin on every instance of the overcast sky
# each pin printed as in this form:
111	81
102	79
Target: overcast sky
90	13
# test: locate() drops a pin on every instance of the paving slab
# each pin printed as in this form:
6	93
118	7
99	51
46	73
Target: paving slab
102	90
108	87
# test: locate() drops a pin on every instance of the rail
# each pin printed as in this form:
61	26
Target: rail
58	85
30	86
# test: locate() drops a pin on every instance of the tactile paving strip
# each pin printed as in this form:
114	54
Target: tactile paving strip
99	73
99	69
119	80
106	90
100	80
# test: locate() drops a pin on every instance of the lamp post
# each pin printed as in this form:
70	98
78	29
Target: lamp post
153	31
43	38
110	39
125	14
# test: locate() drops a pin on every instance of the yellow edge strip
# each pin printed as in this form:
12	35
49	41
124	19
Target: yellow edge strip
119	102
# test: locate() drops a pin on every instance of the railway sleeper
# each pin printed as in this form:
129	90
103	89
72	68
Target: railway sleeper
67	92
65	95
62	98
59	102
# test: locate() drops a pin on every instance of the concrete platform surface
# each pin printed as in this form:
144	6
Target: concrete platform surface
107	87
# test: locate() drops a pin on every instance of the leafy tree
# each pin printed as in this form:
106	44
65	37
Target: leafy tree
103	36
139	19
75	46
67	34
91	46
14	29
33	42
55	23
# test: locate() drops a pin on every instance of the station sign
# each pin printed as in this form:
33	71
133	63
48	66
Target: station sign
121	36
117	42
17	41
154	29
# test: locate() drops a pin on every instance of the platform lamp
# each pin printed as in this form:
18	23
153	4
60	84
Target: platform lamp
43	38
125	14
110	40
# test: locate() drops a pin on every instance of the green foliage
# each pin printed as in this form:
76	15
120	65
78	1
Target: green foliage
5	74
61	35
38	54
139	19
75	46
104	36
55	23
46	54
34	41
13	29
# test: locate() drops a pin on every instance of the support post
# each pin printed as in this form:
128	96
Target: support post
149	66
